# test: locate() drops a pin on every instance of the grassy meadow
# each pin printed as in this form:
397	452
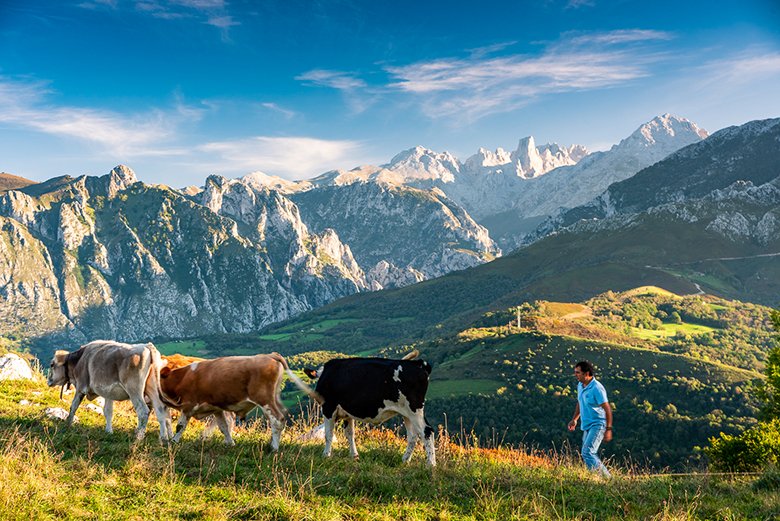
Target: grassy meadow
48	471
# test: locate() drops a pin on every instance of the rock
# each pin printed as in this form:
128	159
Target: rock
58	413
13	367
25	402
94	408
316	434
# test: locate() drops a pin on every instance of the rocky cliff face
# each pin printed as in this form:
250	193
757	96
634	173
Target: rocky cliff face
398	234
727	183
111	257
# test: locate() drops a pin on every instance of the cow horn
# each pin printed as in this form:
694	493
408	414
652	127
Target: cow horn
411	356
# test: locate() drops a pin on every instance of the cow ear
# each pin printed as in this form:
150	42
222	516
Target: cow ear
311	373
164	372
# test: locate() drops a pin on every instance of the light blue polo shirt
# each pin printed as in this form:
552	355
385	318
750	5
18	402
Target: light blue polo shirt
590	398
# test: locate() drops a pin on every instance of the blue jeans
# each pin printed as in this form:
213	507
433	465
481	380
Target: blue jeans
591	441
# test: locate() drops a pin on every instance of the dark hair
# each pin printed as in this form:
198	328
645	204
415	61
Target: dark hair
585	367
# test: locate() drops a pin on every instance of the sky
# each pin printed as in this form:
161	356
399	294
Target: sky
182	89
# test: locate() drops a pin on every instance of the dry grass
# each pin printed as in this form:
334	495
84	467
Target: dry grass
50	472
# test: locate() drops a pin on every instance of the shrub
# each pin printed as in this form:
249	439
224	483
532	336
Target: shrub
752	450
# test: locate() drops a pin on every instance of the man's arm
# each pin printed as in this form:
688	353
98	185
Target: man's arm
573	422
608	410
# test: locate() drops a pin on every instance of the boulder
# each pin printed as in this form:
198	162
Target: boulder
58	413
13	367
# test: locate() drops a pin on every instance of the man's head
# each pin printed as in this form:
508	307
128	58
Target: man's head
583	371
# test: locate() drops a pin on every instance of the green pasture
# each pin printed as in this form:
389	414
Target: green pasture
669	330
184	347
447	388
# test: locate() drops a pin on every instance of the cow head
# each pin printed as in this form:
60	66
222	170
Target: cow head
313	373
57	371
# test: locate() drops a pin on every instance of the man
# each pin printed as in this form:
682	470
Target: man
596	415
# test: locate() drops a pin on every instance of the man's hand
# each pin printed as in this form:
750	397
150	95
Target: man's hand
608	435
573	425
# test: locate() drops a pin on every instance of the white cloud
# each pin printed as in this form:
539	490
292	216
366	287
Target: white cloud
333	79
480	84
474	88
576	4
742	68
621	36
273	107
288	157
24	104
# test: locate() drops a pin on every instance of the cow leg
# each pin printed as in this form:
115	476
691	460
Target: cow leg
328	426
425	432
224	425
180	426
411	439
77	397
108	412
276	419
164	418
142	411
350	432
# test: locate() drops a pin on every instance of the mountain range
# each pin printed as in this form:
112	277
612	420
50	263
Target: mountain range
109	256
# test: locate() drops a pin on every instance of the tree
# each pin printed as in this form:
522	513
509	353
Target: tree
769	392
760	445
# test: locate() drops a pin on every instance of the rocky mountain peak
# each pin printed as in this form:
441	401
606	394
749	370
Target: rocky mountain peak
261	180
487	158
665	132
420	163
532	161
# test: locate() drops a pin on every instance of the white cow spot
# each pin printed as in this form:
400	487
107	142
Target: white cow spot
397	374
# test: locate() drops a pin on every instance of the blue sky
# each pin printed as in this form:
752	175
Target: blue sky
182	89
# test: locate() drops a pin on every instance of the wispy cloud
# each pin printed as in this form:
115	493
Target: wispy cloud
334	79
576	4
288	157
469	88
357	94
741	68
273	107
475	88
479	52
621	36
25	105
209	12
483	83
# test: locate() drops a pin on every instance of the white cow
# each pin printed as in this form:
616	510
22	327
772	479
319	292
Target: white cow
115	371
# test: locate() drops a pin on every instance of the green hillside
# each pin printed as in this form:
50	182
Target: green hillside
570	266
686	363
50	472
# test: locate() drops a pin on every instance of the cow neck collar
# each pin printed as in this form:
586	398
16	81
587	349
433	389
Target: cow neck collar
66	385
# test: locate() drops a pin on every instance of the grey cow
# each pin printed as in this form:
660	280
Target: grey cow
115	371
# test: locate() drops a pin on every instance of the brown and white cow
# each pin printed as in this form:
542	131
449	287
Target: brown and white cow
234	384
176	361
115	371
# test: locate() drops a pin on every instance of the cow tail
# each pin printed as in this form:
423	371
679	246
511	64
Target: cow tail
300	384
156	366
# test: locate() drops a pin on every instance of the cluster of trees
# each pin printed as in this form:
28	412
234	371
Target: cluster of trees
738	334
666	408
758	447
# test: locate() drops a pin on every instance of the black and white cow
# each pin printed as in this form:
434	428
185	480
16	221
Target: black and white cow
374	390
